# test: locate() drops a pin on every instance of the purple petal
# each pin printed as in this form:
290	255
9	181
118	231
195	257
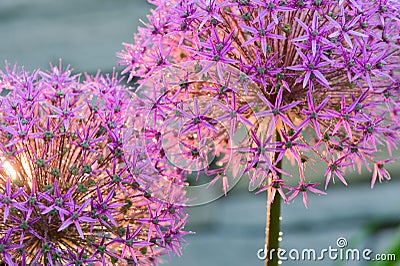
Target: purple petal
78	227
65	224
321	78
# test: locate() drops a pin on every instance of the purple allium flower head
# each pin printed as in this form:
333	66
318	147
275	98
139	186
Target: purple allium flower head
321	77
72	191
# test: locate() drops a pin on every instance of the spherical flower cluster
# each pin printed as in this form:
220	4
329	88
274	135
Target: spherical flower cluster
318	82
73	187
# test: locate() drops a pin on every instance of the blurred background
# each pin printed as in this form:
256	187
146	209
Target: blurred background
87	33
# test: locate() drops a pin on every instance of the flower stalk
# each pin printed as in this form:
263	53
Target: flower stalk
272	230
273	225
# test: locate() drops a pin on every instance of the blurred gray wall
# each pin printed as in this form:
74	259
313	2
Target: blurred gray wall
85	33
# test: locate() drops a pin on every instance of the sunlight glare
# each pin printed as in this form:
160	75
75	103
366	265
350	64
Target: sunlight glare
10	170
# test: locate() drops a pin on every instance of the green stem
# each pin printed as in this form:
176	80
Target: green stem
273	223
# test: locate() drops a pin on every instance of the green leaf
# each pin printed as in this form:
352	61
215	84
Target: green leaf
393	250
